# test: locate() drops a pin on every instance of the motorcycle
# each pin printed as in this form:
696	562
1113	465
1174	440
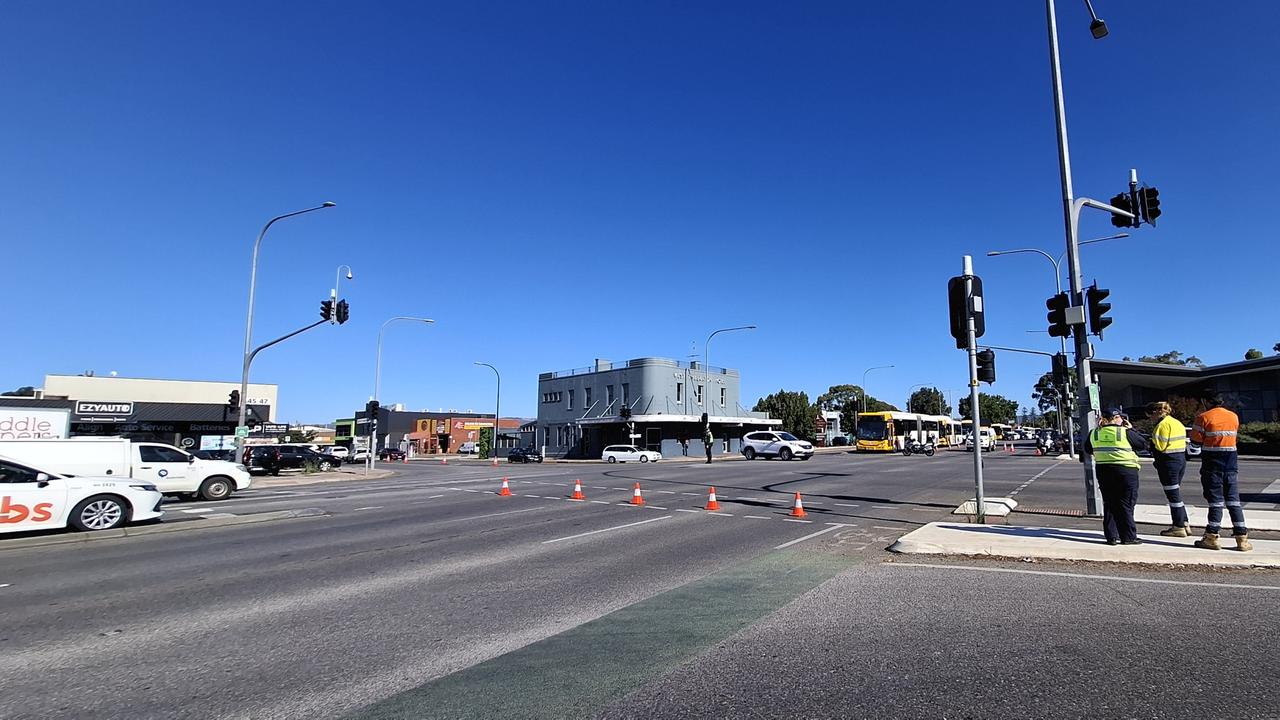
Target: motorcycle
911	447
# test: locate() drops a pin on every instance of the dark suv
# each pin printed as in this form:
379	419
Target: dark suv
524	455
392	454
274	458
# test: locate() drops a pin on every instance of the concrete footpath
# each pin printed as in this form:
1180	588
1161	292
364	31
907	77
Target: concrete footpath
269	481
1254	519
1014	541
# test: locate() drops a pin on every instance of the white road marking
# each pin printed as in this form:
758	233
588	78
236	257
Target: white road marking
689	493
616	527
883	507
666	492
747	498
687	510
756	517
655	507
600	502
721	514
371	507
881	527
597	487
467	490
433	497
1088	577
846	504
5	585
1036	477
795	520
198	510
823	531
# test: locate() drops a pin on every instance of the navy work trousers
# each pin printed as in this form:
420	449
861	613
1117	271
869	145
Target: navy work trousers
1171	468
1119	486
1221	488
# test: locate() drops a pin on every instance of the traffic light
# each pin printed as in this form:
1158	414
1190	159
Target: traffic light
624	412
958	306
233	401
371	408
1098	309
1057	316
987	366
1061	375
343	312
1123	202
326	310
1149	204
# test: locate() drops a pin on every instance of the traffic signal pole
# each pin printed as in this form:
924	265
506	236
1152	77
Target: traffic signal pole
974	305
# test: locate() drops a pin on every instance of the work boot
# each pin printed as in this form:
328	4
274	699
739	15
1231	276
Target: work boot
1209	541
1176	531
1242	542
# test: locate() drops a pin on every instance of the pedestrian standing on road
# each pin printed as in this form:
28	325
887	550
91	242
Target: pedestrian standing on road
684	446
1169	448
1114	445
707	440
1214	433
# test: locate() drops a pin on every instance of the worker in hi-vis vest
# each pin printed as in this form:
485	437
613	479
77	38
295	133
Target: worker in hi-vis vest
1169	448
1114	445
1214	433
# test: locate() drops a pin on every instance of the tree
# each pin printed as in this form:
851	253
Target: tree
793	409
298	435
995	408
847	400
928	400
28	391
1173	357
1253	354
1276	348
1046	394
486	442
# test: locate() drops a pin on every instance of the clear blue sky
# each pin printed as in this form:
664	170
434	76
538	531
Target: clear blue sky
557	182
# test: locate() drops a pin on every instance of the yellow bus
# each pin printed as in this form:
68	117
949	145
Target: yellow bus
888	431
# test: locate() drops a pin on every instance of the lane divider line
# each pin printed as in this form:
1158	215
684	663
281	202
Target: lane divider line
795	520
756	517
687	510
616	527
810	536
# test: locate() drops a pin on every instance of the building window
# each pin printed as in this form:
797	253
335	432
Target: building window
608	394
724	396
570	405
697	394
679	392
552	397
586	398
626	393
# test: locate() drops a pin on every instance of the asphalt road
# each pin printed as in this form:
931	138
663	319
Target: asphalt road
426	595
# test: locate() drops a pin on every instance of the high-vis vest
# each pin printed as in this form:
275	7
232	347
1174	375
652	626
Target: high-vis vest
1111	447
1170	436
1215	430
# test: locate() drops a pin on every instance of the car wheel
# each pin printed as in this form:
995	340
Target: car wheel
784	454
613	459
216	488
644	458
100	512
749	453
325	466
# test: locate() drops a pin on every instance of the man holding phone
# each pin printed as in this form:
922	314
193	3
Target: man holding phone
1114	445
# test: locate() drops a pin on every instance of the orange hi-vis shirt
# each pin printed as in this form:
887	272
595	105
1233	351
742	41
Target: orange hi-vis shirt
1215	430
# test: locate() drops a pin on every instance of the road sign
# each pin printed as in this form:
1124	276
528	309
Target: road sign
242	431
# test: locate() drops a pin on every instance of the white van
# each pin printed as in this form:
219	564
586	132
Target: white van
986	436
171	470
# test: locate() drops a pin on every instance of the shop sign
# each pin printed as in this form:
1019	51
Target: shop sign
18	423
114	409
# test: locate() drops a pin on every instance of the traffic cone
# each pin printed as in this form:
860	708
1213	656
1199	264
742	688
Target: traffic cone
405	460
797	510
444	459
712	505
577	491
1038	453
635	496
506	489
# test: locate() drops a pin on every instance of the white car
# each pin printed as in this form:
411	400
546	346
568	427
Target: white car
629	453
337	451
32	499
775	443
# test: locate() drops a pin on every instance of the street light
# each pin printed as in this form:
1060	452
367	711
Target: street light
377	386
706	361
497	409
338	278
1063	422
864	383
248	323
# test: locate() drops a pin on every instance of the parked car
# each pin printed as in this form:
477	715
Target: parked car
392	454
839	441
224	455
629	453
469	448
173	471
276	458
359	455
34	499
524	455
986	436
337	451
775	443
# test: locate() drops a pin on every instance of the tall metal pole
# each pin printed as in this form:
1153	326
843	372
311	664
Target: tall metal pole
980	501
337	279
1087	413
864	383
706	361
377	387
247	358
497	409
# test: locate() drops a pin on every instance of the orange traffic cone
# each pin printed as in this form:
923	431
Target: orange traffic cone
1038	453
635	496
405	459
506	489
712	505
797	510
577	491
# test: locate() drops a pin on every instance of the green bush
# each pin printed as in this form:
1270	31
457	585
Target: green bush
1260	432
